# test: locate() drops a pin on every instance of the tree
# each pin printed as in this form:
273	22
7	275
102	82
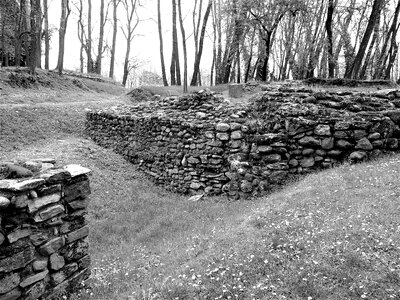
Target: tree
114	38
131	24
196	68
46	34
65	11
35	33
267	17
328	27
88	43
100	49
353	72
164	76
175	69
185	75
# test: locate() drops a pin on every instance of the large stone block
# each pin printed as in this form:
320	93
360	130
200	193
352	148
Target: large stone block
76	190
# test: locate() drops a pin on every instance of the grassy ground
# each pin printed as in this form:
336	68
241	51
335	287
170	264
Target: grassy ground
331	235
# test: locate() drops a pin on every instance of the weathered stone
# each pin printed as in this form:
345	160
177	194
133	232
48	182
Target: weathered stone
78	204
75	251
364	144
40	265
4	202
56	262
84	262
2	238
20	201
57	278
308	151
36	290
392	143
56	175
20	186
272	158
341	134
34	278
49	212
394	116
77	234
246	186
357	155
327	143
359	134
309	141
374	136
71	284
13	295
307	162
222	136
195	185
17	261
293	163
52	246
343	144
196	198
222	127
77	170
323	130
35	204
18	234
193	160
235	126
9	282
236	135
264	149
342	125
76	190
40	237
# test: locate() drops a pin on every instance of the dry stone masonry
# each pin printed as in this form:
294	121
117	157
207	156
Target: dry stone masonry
201	144
43	230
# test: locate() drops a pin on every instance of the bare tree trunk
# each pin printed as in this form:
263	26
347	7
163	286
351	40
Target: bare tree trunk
130	8
114	39
101	38
164	75
89	39
367	61
389	36
355	69
65	11
328	26
185	81
175	66
198	57
33	36
46	35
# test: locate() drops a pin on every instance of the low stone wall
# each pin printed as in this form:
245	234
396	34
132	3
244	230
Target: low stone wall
201	144
43	230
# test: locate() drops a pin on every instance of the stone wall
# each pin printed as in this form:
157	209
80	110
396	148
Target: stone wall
201	144
43	230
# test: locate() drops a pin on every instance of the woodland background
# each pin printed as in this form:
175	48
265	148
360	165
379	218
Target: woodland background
209	41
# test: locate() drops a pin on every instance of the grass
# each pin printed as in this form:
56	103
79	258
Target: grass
331	235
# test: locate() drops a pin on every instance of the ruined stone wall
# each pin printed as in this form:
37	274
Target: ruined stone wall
200	144
43	230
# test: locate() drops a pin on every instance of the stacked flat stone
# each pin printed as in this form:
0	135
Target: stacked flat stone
43	232
205	145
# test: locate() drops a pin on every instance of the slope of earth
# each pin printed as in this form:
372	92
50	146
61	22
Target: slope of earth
331	235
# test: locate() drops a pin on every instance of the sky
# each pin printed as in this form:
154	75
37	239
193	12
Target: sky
145	45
